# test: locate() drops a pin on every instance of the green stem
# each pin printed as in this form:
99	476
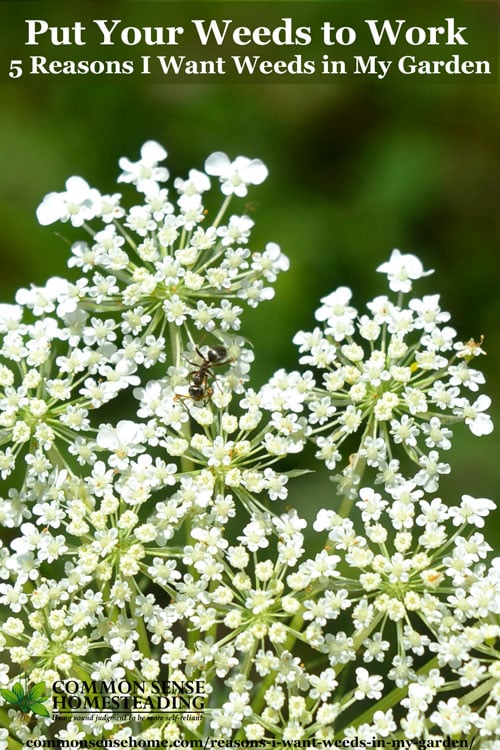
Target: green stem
186	465
222	211
481	690
176	348
358	470
143	642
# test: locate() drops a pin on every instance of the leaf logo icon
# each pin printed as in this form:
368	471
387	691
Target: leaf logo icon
30	702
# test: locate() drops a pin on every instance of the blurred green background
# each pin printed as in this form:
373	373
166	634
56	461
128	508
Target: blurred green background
355	170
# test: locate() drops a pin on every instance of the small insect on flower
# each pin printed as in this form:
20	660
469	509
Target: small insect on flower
199	387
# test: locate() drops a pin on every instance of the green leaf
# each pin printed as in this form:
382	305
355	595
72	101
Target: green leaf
9	695
37	693
24	704
39	709
18	690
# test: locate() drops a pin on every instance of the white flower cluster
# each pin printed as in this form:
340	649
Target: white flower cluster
396	376
161	262
53	372
157	547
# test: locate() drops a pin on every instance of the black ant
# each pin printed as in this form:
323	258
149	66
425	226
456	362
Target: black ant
199	388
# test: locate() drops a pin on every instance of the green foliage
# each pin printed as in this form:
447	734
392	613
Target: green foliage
30	702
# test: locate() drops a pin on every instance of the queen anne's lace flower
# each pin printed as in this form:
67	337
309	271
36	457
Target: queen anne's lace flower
162	260
78	204
237	175
145	174
163	544
401	269
394	376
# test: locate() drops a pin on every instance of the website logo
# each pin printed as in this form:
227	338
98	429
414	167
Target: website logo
30	702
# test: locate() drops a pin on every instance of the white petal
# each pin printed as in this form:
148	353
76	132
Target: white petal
153	152
127	431
217	163
106	438
126	165
391	264
323	520
78	188
482	425
51	209
199	180
257	172
24	296
55	286
10	312
482	403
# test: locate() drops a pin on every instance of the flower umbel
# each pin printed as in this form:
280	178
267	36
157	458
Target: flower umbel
397	375
154	548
